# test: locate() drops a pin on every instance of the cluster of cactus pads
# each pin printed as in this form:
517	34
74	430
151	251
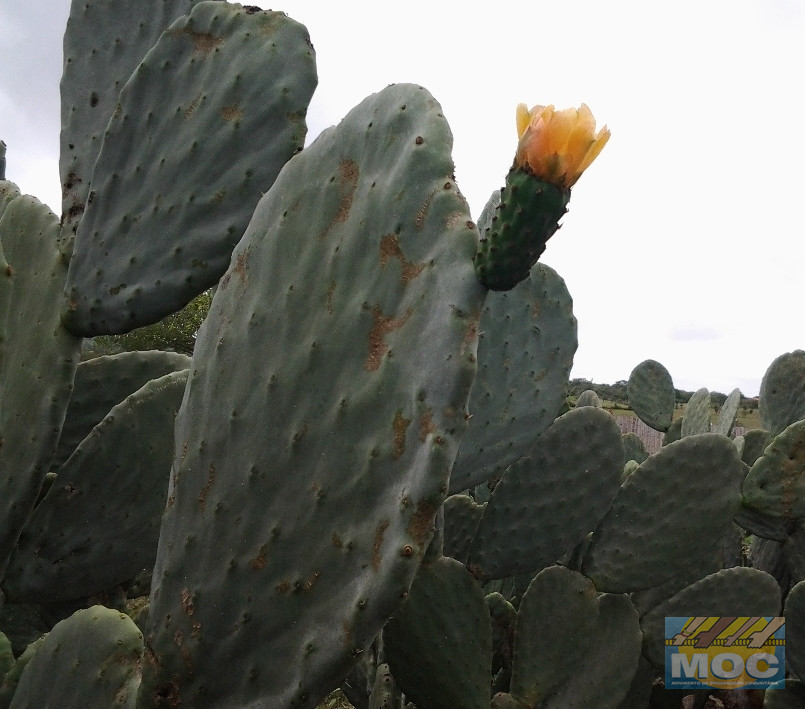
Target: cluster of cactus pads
367	476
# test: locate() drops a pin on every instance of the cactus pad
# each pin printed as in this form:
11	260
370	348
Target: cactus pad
651	394
782	392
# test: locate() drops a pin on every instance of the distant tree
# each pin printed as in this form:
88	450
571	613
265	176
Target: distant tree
175	333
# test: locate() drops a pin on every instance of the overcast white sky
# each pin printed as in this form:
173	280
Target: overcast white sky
684	240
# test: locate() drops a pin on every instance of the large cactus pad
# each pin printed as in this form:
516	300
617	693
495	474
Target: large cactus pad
322	416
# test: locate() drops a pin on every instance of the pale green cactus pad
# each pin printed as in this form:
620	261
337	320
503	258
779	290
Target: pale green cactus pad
782	392
345	330
697	414
201	130
651	394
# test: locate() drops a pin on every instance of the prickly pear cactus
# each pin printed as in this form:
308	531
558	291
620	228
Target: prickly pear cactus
38	357
782	392
651	394
215	109
697	414
359	253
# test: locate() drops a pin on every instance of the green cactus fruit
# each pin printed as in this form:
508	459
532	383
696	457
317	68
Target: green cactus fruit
782	392
674	432
739	591
359	253
697	414
103	43
461	517
526	216
634	448
8	685
439	643
589	398
102	382
652	533
792	696
38	357
215	108
99	524
727	413
775	484
92	659
755	442
551	668
651	394
527	340
549	500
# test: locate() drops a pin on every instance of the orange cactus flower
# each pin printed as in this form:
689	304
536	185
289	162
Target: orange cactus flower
557	146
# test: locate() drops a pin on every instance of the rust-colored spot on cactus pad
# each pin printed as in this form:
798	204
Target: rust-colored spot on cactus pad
202	496
168	693
203	43
389	249
378	544
381	326
400	426
471	333
259	562
422	214
338	543
426	425
187	601
232	113
283	587
420	528
348	173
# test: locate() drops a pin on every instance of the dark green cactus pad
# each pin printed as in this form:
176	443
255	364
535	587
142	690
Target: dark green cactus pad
652	532
526	216
674	432
775	484
755	442
639	692
38	357
633	447
300	541
727	413
762	525
738	591
551	668
503	618
589	398
648	598
697	414
99	524
782	392
526	344
103	43
91	659
439	643
768	555
102	382
216	108
23	623
795	630
547	502
651	394
6	656
792	696
461	517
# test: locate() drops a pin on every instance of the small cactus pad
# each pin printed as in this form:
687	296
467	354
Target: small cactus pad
697	414
527	340
102	382
651	533
727	413
551	668
651	394
740	591
775	484
547	502
385	693
461	517
92	659
589	398
301	541
98	526
755	442
38	357
526	216
634	448
103	43
782	392
215	110
439	643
